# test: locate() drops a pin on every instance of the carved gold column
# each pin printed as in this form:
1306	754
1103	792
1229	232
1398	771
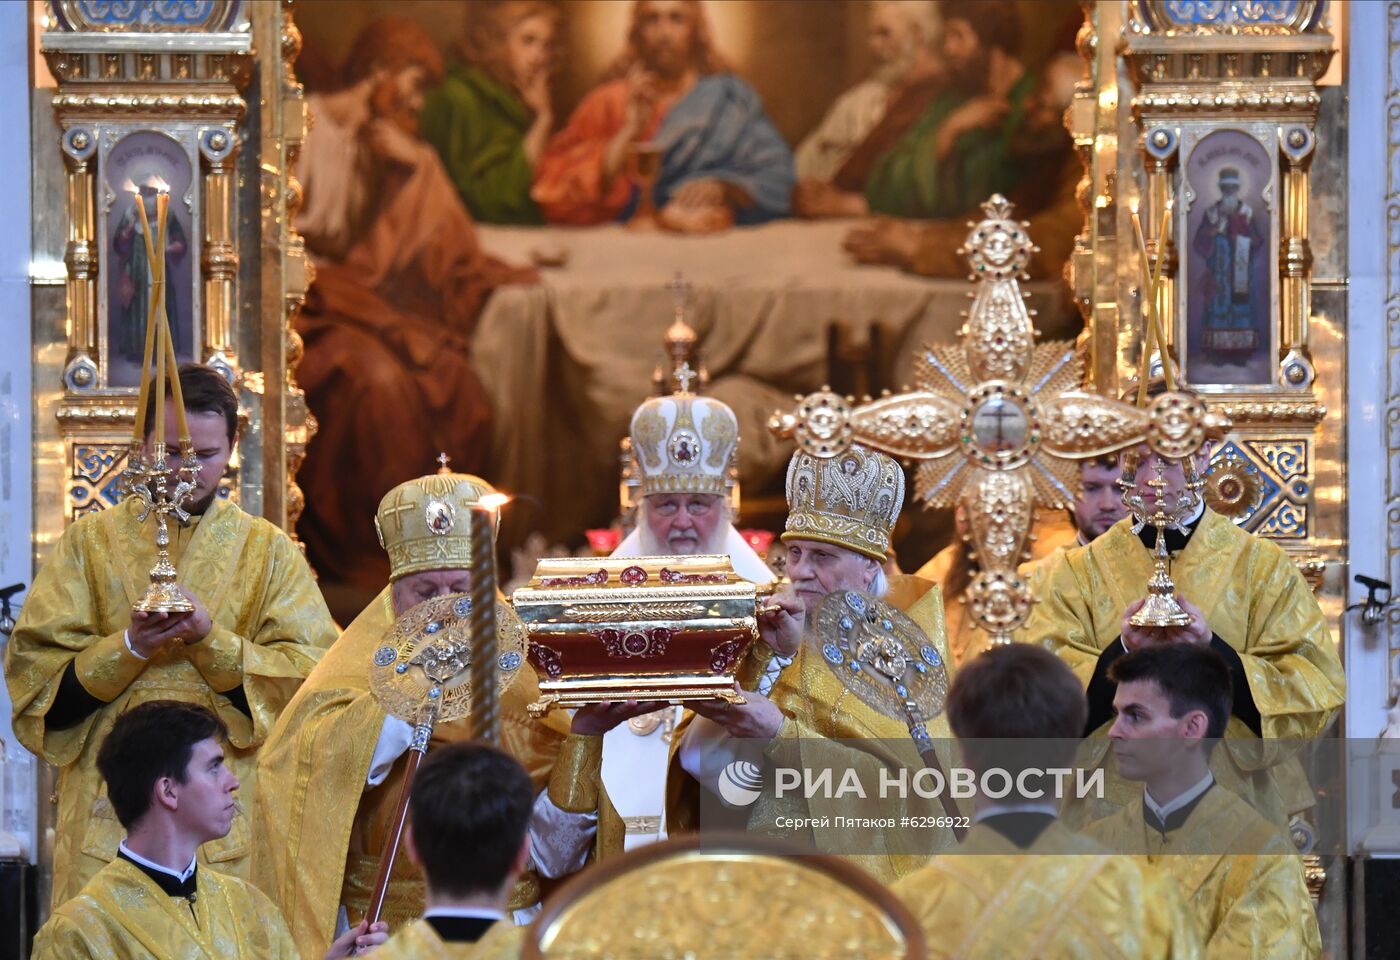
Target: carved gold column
1080	120
1159	159
218	150
80	257
1295	264
300	424
1092	120
287	425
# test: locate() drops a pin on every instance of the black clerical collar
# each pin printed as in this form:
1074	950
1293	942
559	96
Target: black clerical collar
1178	817
1022	828
1176	539
169	883
459	929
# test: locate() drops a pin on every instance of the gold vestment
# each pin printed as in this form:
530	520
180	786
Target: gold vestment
321	831
948	569
1254	599
122	915
1062	897
419	941
817	709
1247	904
270	628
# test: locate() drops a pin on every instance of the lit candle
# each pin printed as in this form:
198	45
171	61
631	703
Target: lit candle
177	392
159	433
485	722
138	430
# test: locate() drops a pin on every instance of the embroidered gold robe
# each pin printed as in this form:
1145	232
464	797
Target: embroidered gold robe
1062	897
122	915
321	830
1240	875
270	628
419	941
949	569
1254	599
818	709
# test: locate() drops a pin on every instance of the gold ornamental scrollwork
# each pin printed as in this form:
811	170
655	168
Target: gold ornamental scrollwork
913	424
1020	428
1081	425
80	106
1275	411
1233	489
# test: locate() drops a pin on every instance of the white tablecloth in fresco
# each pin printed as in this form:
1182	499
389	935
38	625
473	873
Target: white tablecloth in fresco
566	362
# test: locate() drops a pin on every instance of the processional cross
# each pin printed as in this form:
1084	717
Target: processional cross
680	289
998	422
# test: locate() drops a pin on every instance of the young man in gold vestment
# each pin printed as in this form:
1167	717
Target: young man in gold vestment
1240	874
470	815
80	655
1247	601
163	763
1021	884
841	513
333	767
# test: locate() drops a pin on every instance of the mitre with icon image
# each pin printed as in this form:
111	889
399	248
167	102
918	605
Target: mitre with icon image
660	628
688	443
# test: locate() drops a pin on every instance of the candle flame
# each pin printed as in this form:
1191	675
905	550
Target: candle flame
130	187
1133	205
494	501
160	185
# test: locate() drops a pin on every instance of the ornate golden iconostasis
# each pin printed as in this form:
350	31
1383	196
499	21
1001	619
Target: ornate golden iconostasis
1199	90
200	96
1211	111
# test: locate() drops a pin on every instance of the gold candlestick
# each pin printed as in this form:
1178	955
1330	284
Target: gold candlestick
485	715
136	476
1160	607
153	477
163	595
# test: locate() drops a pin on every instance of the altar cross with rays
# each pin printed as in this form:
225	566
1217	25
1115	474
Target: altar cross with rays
998	422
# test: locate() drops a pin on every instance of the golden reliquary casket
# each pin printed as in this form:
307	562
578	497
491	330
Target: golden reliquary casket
668	629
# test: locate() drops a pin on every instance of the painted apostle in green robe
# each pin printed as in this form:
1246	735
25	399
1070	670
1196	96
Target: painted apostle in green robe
491	117
959	151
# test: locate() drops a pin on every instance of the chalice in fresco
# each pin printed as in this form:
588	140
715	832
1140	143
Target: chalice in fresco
644	169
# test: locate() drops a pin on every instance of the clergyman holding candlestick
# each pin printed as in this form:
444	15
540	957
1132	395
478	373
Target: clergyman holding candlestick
336	763
79	656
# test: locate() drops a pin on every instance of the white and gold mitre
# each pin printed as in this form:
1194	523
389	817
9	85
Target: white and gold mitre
851	500
683	444
425	524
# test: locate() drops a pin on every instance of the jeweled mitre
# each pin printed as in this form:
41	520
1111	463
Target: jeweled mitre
425	524
851	500
683	444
